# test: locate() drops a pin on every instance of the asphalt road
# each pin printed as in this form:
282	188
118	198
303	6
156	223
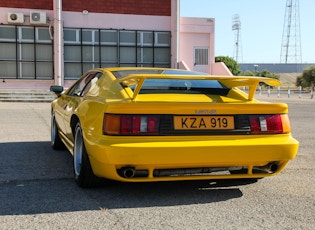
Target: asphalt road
37	190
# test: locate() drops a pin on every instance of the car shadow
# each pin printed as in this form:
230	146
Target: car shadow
36	179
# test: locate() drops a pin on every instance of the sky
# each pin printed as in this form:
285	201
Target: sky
261	30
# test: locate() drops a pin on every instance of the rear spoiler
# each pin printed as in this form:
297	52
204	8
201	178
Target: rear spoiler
229	81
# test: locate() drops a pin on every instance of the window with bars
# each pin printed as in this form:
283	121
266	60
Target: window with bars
26	52
90	48
201	56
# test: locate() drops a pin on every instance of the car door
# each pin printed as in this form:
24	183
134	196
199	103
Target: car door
62	102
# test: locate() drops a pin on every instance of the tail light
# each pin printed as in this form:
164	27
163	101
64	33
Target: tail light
115	124
261	124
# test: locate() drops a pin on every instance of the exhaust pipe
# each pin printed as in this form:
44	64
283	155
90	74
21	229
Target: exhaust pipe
128	172
272	167
269	168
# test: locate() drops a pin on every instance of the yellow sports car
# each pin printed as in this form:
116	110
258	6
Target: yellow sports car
154	124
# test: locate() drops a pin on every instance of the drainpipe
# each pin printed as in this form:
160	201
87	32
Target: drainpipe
175	19
58	44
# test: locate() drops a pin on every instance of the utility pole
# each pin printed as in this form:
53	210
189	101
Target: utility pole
236	27
291	38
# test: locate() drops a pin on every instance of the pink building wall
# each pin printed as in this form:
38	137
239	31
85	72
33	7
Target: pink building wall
196	33
199	33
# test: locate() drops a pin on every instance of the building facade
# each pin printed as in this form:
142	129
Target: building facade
56	41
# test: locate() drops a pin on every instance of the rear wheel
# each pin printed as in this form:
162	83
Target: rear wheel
83	172
56	142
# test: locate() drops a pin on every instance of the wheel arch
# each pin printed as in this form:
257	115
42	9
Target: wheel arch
74	120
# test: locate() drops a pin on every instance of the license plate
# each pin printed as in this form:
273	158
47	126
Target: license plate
203	122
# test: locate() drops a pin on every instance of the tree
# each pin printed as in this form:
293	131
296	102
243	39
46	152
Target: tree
230	63
308	77
249	73
300	82
266	73
263	73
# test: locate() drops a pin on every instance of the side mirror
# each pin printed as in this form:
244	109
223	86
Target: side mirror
57	89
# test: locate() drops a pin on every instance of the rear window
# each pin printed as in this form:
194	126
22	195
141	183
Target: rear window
122	73
172	86
175	86
182	72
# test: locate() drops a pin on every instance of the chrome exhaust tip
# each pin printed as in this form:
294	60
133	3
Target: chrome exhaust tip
273	167
269	168
128	172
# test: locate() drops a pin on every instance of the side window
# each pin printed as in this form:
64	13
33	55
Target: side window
92	81
78	88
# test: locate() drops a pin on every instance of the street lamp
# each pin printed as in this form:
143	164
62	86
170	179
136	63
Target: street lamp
256	66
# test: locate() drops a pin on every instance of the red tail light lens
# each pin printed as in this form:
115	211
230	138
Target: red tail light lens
261	124
126	125
131	124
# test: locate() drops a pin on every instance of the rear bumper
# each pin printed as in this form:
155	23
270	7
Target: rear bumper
190	158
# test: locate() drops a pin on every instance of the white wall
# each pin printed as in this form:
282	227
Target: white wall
116	21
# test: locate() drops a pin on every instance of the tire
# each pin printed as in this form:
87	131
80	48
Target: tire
83	173
56	142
